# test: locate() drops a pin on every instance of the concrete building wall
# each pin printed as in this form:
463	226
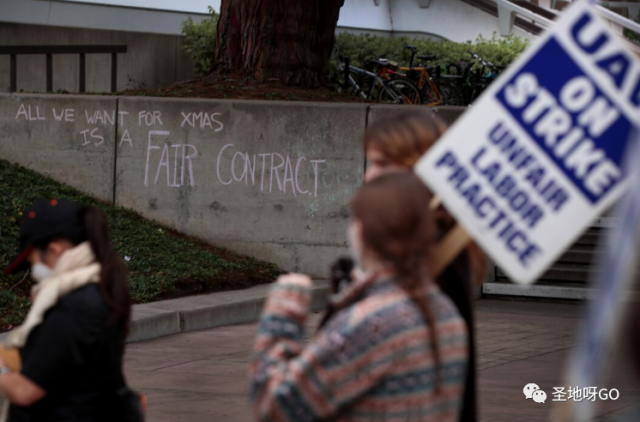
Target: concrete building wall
152	60
448	19
152	31
366	15
269	179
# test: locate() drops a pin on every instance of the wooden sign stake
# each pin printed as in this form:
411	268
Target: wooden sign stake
449	247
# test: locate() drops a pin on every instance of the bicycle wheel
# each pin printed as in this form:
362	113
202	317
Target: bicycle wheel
451	93
338	81
367	85
431	94
400	91
477	91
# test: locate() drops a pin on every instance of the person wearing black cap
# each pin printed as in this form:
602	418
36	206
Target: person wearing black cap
72	341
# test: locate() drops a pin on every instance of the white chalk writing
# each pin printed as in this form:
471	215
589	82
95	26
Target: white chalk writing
183	155
202	120
273	170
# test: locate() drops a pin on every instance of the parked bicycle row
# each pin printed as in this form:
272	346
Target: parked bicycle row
383	80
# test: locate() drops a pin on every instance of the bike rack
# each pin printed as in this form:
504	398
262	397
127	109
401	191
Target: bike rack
347	64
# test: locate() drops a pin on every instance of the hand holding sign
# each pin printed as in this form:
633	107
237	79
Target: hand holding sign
11	358
539	156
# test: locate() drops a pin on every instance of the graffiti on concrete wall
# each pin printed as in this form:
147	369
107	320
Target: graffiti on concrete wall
301	172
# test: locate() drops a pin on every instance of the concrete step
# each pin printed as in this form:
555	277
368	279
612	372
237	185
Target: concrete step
560	272
568	278
548	290
578	255
536	290
590	238
168	317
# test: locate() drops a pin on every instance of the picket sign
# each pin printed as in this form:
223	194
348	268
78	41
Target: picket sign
539	156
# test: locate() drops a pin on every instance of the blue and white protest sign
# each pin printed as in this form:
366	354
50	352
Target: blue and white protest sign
538	157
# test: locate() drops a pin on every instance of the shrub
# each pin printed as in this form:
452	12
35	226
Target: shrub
498	50
200	41
632	36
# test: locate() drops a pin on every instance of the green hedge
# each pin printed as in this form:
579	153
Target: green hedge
498	50
200	42
163	263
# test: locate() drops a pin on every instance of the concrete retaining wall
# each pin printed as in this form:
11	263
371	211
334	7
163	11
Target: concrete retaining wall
69	138
268	179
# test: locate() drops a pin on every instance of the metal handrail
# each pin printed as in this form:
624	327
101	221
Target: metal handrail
619	19
513	8
50	50
525	13
631	7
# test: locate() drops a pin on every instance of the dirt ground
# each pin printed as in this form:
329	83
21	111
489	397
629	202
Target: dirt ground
243	89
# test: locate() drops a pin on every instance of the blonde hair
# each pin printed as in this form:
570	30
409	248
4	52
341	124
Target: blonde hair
403	139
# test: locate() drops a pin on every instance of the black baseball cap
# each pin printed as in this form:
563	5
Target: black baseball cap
45	220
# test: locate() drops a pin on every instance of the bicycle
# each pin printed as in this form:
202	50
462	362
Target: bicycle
450	85
436	88
389	72
479	80
368	85
429	91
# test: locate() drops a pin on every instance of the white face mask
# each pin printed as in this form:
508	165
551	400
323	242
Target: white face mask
40	272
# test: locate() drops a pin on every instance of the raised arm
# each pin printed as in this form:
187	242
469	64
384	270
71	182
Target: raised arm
293	382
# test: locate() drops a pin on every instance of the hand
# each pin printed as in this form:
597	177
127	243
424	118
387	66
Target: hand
295	279
358	274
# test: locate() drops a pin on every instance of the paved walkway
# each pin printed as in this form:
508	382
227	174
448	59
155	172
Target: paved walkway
201	376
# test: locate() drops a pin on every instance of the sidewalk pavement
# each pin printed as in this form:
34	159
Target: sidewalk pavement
201	376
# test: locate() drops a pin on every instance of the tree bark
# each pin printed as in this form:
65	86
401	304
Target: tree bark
288	40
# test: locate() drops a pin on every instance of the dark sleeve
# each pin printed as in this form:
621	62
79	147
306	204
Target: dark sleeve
53	350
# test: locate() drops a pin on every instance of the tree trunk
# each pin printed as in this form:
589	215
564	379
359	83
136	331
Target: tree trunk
288	40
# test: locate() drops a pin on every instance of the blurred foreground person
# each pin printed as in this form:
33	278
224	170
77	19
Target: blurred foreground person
72	340
396	144
395	348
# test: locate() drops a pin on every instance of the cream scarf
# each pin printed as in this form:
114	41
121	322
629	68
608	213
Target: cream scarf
76	268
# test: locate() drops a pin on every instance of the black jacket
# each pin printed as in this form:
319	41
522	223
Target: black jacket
455	282
75	355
